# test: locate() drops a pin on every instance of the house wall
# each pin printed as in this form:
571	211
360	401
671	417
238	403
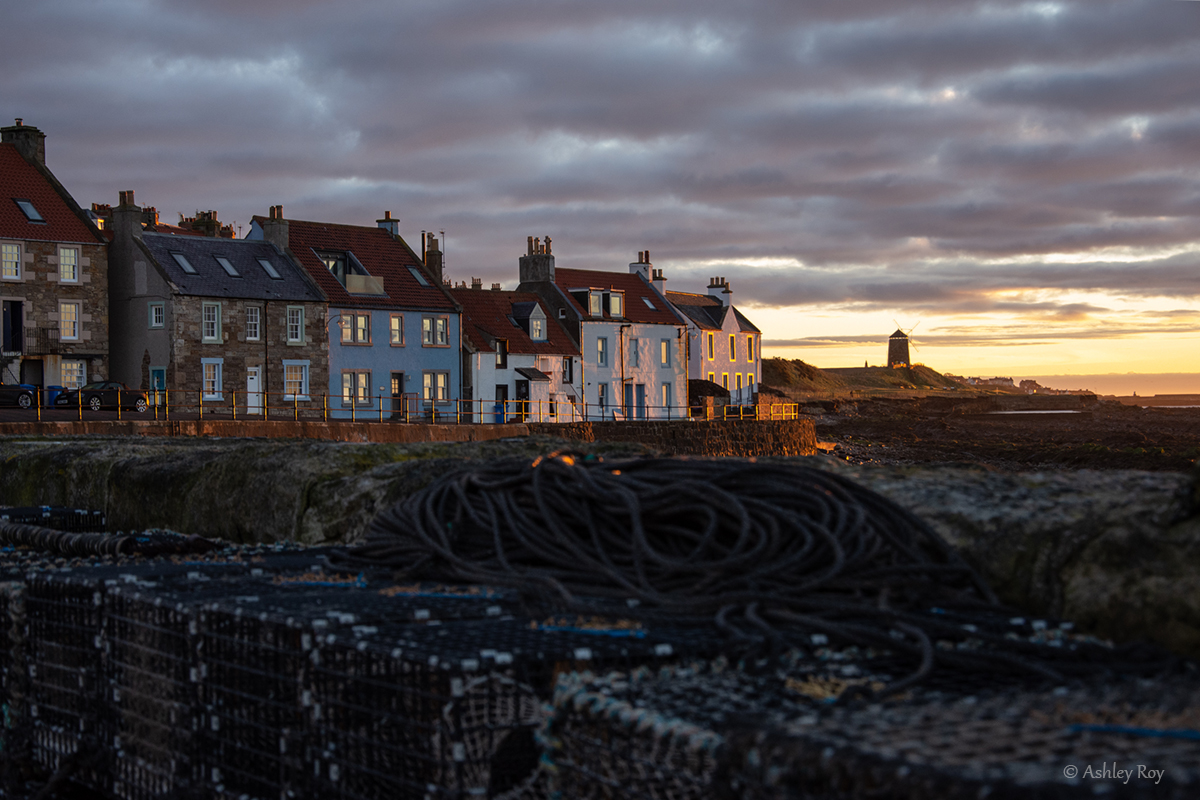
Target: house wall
723	362
485	377
134	284
381	359
185	369
649	372
40	292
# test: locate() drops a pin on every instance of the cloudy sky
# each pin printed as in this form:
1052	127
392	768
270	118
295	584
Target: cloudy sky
1021	179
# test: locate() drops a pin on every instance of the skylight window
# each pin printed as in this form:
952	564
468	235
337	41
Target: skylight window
183	263
225	265
646	300
416	273
29	211
270	269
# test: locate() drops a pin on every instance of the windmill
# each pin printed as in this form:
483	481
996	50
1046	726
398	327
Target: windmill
898	344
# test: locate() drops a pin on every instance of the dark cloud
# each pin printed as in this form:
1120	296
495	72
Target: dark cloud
935	155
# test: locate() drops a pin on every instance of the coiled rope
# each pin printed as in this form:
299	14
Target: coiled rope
87	545
769	553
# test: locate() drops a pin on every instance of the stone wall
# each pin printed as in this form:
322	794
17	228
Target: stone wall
700	438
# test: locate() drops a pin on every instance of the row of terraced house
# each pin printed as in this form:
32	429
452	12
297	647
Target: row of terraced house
350	318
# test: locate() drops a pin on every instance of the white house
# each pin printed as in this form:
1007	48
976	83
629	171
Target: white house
725	347
632	344
518	361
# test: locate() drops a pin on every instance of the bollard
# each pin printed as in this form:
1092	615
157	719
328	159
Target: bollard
233	396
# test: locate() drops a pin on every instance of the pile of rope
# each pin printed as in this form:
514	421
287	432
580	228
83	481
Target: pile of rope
90	545
773	554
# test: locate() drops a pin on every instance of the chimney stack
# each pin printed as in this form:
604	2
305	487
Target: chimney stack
433	258
495	287
29	141
658	281
477	283
719	288
390	225
126	219
642	266
275	229
537	265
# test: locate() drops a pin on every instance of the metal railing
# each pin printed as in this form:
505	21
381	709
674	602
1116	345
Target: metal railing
41	341
166	404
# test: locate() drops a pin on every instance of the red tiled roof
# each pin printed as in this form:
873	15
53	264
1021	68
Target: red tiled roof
21	180
383	256
634	287
485	318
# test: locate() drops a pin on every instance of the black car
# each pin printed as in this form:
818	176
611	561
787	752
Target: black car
21	395
103	394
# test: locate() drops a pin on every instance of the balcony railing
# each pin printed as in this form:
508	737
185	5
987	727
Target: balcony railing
41	341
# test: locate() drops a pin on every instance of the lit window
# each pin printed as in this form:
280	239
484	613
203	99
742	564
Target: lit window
212	368
614	304
434	331
397	330
158	315
183	263
10	255
229	268
537	330
68	265
420	278
270	269
253	323
501	354
295	324
362	328
665	358
72	374
711	347
602	352
356	387
29	211
210	322
602	396
732	347
68	321
594	304
666	389
749	348
295	380
436	385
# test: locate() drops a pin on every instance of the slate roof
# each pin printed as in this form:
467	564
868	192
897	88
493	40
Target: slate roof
636	290
708	312
20	180
485	319
211	280
382	255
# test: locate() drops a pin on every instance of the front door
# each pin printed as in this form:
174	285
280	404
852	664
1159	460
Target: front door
627	402
640	393
158	385
254	398
397	394
501	402
13	327
522	399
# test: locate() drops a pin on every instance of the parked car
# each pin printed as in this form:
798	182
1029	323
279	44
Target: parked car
103	394
21	395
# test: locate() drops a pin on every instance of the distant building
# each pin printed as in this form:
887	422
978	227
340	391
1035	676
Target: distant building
898	350
724	347
53	273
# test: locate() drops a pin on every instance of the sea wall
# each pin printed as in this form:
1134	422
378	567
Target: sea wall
717	438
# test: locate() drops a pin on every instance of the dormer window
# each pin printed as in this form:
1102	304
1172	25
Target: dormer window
27	208
594	303
615	303
537	329
336	264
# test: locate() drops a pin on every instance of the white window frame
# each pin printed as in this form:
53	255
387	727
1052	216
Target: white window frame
253	323
595	304
76	322
215	336
431	385
218	365
602	397
396	330
602	351
435	331
7	249
295	320
635	356
303	366
159	319
537	329
665	355
64	259
357	390
666	396
73	382
616	304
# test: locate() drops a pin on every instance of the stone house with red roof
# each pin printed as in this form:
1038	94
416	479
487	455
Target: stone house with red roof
393	330
519	362
53	273
632	343
725	347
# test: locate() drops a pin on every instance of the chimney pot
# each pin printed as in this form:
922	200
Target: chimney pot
495	287
547	245
387	215
20	122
